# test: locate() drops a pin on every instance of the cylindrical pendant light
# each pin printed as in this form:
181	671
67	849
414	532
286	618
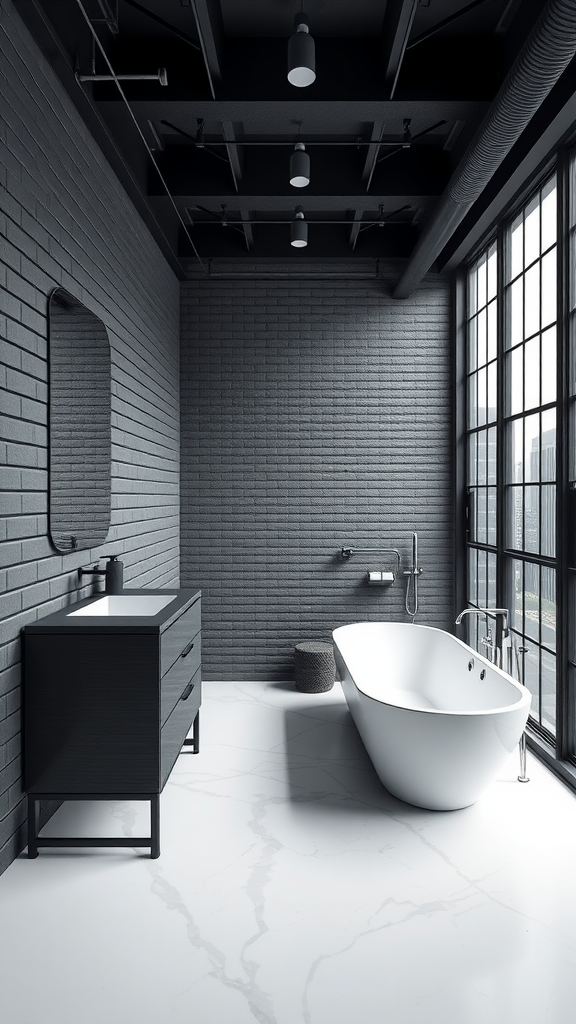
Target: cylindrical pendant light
299	229
301	54
299	166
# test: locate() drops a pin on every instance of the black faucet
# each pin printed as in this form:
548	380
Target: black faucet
113	573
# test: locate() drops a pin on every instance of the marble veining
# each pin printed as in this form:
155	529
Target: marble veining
293	888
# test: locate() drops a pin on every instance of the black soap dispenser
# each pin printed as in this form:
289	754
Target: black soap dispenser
114	575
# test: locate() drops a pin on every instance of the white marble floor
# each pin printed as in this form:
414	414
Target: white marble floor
292	888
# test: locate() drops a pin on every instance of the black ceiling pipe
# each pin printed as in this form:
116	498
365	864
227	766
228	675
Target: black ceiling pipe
547	52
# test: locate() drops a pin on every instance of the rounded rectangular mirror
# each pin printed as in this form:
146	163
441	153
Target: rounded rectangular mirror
80	424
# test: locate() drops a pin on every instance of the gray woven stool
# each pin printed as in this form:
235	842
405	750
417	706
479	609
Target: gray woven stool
314	667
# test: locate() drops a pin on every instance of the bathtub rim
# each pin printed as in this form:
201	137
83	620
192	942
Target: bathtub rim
525	698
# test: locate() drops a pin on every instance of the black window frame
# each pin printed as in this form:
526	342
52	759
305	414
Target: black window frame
558	751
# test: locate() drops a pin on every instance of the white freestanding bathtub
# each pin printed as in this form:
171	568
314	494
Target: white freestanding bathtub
437	719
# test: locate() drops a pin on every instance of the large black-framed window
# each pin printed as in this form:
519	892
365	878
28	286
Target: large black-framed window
520	426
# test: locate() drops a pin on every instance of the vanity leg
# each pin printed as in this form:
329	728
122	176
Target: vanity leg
33	824
155	827
196	732
194	740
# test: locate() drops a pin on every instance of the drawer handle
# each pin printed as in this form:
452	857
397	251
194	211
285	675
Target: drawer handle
187	691
187	650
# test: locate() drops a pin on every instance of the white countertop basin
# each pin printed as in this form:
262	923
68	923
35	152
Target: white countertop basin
125	604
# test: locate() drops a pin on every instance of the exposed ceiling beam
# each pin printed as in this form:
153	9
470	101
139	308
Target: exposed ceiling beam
233	152
442	24
208	17
397	25
355	228
165	24
372	153
421	171
247	222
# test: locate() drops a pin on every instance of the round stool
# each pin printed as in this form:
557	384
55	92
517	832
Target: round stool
314	667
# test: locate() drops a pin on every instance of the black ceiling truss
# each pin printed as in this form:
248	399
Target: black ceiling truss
398	79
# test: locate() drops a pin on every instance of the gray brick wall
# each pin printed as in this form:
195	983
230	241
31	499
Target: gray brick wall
65	220
316	413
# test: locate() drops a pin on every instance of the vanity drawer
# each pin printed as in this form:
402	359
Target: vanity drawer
173	683
177	726
174	639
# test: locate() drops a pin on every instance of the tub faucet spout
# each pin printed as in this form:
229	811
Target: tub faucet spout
505	638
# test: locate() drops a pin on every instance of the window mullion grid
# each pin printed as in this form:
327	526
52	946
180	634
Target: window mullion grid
566	726
501	491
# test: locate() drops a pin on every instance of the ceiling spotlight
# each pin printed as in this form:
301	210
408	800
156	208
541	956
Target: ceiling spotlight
301	54
299	166
299	229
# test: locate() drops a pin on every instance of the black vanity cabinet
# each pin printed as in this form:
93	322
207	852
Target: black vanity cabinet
108	704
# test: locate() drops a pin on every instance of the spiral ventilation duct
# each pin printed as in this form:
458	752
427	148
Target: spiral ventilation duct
547	52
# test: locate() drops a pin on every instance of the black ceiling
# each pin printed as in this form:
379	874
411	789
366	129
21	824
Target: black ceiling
218	137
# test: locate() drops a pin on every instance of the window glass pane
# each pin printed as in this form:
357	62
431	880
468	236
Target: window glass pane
548	599
515	452
481	275
481	334
517	595
549	214
492	272
481	526
532	447
515	331
516	247
549	366
492	323
491	515
549	286
548	521
472	400
532	600
491	581
472	575
482	436
514	388
532	519
514	518
482	580
472	465
530	662
532	301
472	302
548	444
532	231
481	396
472	348
532	373
491	410
548	689
492	453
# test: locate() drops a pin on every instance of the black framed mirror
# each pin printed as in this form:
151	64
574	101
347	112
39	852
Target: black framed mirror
79	423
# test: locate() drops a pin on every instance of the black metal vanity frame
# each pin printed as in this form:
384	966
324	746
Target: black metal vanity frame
151	712
35	840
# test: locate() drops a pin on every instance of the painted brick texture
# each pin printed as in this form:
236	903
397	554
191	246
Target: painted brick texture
65	220
315	414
